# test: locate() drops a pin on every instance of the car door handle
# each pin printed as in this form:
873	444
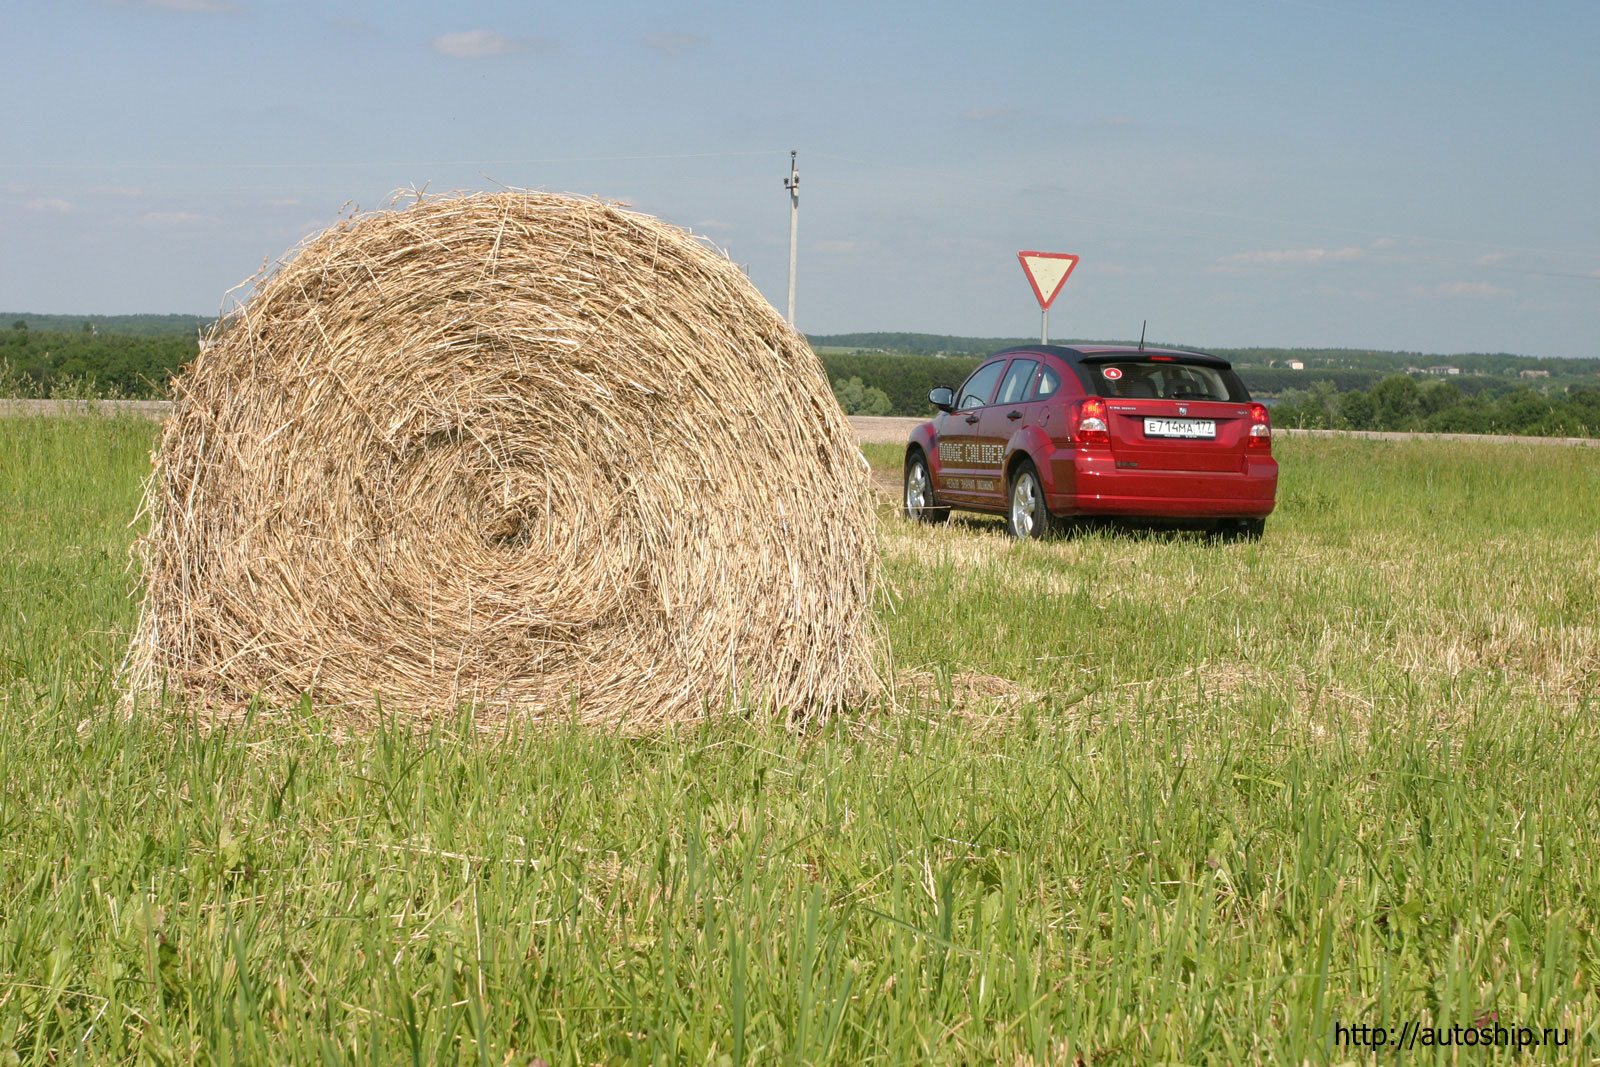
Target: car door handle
1014	415
971	419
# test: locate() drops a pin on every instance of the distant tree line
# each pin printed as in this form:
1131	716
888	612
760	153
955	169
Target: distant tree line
97	356
82	363
1399	402
138	325
906	380
902	381
1279	381
866	382
1271	362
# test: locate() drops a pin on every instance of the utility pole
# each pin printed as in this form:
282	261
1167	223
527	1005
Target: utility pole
792	183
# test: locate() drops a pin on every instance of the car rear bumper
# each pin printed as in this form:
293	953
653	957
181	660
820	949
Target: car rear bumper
1090	483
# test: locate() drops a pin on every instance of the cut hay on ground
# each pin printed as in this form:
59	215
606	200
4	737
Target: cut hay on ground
532	453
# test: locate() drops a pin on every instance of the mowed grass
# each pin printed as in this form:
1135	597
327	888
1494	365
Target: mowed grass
1142	797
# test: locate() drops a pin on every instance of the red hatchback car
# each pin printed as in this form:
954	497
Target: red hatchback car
1047	432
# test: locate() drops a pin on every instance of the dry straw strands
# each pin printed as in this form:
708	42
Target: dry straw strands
532	453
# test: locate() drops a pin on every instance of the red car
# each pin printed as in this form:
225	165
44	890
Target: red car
1045	433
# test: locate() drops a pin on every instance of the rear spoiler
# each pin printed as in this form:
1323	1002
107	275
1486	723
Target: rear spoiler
1195	359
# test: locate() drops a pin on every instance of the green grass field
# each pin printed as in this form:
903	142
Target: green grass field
1143	798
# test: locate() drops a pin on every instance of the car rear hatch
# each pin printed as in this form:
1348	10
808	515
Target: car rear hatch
1171	412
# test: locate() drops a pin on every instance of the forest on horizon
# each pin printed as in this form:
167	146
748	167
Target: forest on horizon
135	356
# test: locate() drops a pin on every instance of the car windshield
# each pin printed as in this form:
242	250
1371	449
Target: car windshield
1149	380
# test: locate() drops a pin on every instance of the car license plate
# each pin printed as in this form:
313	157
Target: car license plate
1180	427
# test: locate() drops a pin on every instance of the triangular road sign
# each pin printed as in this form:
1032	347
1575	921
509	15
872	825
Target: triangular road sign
1047	273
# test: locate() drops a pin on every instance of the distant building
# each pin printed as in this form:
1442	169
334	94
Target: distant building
1442	371
1295	364
1534	374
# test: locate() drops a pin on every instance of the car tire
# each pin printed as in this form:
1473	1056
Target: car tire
918	499
1027	515
1242	529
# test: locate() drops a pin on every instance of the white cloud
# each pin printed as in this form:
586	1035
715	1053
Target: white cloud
673	44
50	205
477	44
1489	259
713	224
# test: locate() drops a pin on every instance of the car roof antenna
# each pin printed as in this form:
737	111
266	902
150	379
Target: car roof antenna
1142	325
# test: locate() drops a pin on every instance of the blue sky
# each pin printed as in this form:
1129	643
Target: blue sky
1363	173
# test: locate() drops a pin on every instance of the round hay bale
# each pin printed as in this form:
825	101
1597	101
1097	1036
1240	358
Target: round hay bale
531	453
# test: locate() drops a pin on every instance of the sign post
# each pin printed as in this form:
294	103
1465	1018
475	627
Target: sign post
1047	273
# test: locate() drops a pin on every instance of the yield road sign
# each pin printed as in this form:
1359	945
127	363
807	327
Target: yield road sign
1047	273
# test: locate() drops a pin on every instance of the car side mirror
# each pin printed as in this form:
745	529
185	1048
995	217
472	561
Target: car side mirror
943	398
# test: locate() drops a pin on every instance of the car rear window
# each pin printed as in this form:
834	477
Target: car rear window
1162	380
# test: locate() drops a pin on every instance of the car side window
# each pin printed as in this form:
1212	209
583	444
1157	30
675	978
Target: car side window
1017	380
978	388
1049	382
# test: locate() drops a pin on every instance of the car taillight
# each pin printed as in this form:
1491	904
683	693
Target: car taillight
1091	428
1260	428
